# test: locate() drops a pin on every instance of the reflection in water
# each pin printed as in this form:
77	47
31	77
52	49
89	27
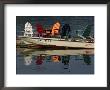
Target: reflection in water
55	64
56	58
27	60
87	59
65	61
39	60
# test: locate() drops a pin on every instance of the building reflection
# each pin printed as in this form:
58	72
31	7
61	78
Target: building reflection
56	58
39	60
27	60
65	60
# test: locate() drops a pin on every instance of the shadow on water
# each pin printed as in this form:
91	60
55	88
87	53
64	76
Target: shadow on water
55	62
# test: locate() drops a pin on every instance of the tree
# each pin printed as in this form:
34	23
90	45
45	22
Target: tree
65	30
87	31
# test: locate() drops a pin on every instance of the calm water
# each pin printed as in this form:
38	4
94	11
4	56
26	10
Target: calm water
55	62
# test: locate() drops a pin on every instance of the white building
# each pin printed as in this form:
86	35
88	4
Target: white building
28	30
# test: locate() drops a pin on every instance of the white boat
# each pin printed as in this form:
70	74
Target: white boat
57	42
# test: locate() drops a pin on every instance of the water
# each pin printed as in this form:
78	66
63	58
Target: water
55	62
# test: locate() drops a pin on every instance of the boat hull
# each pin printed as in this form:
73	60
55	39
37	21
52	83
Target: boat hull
52	43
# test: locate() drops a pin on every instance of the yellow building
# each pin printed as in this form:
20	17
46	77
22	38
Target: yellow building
56	28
